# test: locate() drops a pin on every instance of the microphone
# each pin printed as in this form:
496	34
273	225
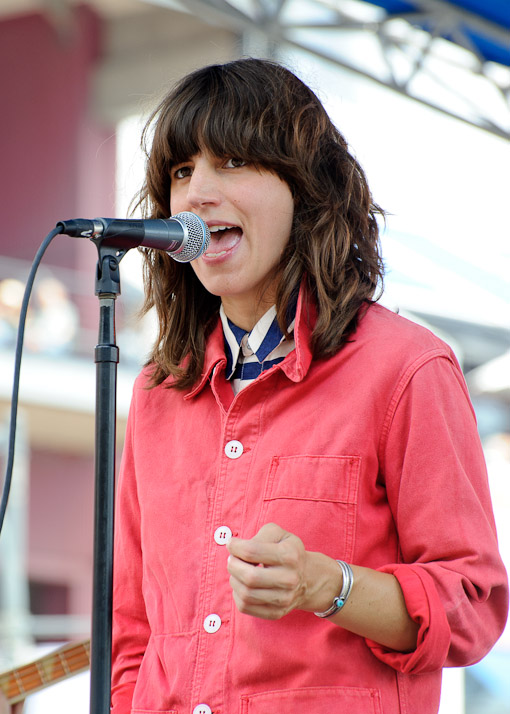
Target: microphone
184	236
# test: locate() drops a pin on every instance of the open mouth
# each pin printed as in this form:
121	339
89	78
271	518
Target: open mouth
223	240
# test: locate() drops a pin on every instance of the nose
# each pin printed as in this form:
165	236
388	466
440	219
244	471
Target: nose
203	186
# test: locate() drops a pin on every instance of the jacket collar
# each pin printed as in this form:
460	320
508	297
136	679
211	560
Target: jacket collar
295	366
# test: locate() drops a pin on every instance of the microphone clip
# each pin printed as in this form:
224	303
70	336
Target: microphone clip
107	269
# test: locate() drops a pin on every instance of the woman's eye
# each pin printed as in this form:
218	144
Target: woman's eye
234	163
181	172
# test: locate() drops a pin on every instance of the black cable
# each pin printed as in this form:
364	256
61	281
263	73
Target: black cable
17	367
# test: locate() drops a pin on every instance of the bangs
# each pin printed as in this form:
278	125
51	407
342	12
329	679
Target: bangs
200	127
222	113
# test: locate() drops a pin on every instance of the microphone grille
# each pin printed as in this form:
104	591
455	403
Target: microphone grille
196	240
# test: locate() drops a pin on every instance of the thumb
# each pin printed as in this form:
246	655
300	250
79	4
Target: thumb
260	548
270	533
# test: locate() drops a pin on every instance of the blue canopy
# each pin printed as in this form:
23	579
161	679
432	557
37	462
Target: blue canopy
485	23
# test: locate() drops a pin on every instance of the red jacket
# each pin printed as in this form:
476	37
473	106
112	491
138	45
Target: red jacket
371	456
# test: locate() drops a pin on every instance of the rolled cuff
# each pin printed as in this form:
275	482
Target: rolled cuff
425	608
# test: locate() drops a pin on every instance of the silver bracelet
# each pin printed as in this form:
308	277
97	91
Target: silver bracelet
340	600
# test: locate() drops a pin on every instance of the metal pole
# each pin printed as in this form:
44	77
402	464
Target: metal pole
106	358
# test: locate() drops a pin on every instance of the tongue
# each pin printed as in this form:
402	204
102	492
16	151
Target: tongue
223	240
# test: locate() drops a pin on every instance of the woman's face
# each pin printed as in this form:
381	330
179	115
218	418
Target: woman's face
249	212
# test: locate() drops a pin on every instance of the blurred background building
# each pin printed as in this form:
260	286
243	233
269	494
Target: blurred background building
420	88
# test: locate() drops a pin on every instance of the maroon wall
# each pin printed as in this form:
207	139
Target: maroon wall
56	161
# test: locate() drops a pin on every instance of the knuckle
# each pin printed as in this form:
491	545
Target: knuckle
251	577
290	556
251	551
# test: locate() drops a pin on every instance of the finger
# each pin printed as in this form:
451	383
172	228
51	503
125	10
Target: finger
263	548
271	533
263	612
267	604
276	577
254	552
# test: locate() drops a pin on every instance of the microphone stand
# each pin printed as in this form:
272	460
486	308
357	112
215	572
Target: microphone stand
106	359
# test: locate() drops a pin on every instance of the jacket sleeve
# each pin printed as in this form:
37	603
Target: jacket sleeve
450	571
130	626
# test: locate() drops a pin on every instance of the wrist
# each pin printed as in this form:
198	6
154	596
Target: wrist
342	597
324	582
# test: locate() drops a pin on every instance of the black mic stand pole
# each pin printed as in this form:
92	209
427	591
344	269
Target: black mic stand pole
106	359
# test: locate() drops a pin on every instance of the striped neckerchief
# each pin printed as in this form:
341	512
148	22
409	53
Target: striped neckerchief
251	353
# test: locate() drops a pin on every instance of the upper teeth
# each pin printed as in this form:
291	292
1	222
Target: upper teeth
213	229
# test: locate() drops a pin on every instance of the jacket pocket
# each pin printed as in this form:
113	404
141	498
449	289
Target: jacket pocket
319	700
315	498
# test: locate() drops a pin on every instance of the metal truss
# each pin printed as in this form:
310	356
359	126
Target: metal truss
439	66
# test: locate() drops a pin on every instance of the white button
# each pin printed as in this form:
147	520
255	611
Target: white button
234	449
222	535
202	709
212	623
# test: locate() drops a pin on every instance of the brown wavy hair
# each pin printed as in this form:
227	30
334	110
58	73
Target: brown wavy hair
259	111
